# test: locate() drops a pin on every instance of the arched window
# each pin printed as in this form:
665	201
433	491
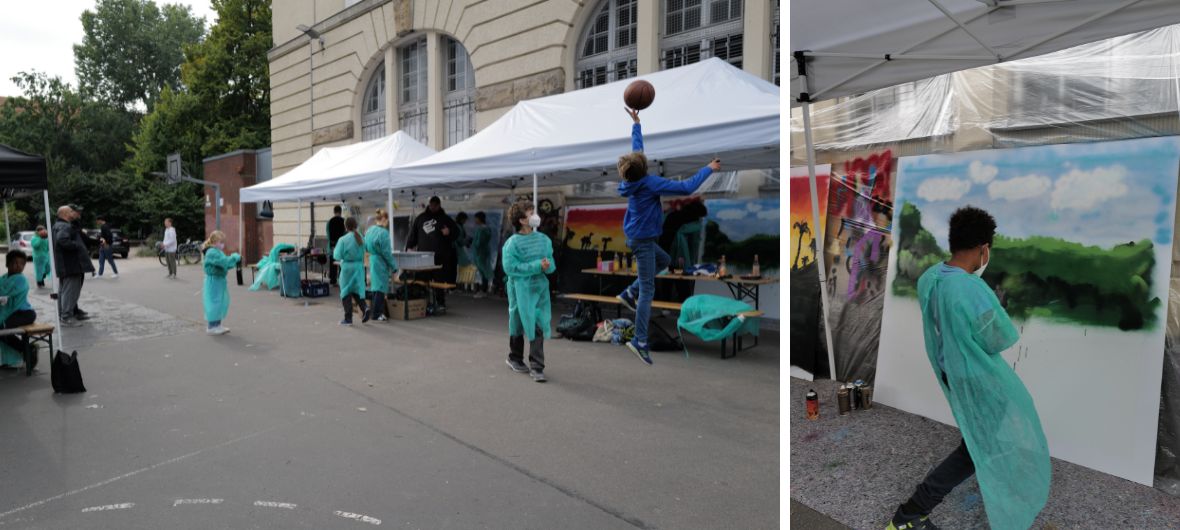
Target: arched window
459	95
607	50
412	93
373	106
700	29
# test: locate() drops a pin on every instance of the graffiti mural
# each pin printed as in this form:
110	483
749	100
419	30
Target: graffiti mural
856	251
808	349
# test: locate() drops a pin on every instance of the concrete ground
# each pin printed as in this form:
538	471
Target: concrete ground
857	469
292	421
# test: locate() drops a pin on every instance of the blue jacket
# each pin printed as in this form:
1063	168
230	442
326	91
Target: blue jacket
645	213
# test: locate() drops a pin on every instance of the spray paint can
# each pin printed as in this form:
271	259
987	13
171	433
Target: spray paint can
857	399
842	400
866	395
812	405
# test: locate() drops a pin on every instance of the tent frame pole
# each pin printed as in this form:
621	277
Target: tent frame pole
389	216
1074	27
298	223
57	338
948	14
816	220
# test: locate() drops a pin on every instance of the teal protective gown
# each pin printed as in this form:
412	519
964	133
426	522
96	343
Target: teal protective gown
40	258
216	291
16	288
528	288
481	251
268	268
965	327
713	318
351	256
687	244
381	261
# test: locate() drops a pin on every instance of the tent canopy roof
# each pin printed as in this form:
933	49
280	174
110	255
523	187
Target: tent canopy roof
334	172
21	172
852	50
703	110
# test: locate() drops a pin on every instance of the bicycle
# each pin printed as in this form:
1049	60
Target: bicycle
189	252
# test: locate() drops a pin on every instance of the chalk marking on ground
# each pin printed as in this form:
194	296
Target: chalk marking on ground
359	517
178	502
140	470
273	504
108	507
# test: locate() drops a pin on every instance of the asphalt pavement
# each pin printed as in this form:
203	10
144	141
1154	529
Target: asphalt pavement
292	421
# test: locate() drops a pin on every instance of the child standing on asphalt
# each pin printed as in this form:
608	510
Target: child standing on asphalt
643	225
15	310
350	252
40	246
216	291
528	257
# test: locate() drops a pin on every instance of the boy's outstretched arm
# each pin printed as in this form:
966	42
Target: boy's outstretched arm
664	186
636	132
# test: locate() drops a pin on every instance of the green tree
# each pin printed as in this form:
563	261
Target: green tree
132	49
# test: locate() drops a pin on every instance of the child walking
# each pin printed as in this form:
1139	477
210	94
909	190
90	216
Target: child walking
643	225
528	257
350	252
382	264
216	291
15	310
40	246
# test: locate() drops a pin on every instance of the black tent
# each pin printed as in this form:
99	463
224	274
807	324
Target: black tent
21	175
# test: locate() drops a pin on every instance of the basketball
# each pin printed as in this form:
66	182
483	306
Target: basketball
639	95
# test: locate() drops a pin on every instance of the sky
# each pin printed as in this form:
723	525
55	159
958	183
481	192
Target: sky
1103	194
45	31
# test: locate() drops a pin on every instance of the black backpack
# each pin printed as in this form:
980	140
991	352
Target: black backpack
66	375
581	324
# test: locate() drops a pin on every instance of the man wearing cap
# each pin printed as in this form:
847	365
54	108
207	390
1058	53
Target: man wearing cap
435	231
72	258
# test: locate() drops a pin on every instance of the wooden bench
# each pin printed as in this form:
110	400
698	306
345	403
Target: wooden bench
738	343
424	283
32	334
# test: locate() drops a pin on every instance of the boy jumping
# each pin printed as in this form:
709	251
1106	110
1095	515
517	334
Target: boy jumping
643	225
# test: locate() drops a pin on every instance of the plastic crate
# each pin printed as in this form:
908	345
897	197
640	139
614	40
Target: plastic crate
413	260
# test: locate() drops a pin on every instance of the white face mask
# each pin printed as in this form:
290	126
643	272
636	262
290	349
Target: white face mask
534	220
220	246
982	267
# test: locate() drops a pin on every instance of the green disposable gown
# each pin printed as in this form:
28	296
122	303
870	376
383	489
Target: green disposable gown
687	244
268	268
712	317
965	327
461	248
381	261
351	256
16	288
40	258
528	288
216	291
481	251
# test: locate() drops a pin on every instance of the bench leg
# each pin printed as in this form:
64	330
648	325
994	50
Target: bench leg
28	358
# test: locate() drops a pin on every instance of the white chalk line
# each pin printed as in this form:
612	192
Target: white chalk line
179	502
133	473
108	507
359	517
273	504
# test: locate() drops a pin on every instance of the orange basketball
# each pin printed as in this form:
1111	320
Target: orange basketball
639	95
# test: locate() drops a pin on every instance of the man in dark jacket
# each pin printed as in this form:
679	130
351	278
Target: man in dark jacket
335	232
435	231
72	259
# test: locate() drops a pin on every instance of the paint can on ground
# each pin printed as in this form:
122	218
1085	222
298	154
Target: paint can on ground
812	405
866	395
842	400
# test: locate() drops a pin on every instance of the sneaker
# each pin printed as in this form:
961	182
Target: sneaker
211	331
627	299
115	275
517	366
70	323
221	330
81	316
365	316
640	352
538	376
345	322
381	318
918	524
481	294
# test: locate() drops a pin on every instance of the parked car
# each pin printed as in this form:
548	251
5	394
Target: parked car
23	243
121	245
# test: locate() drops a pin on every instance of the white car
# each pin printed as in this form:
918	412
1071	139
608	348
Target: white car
23	242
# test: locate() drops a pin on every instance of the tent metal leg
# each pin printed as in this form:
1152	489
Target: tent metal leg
818	232
53	280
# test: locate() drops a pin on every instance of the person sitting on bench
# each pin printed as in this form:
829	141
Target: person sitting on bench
15	310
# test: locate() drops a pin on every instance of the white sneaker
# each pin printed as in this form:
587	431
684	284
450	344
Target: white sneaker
219	330
381	318
211	331
116	275
481	294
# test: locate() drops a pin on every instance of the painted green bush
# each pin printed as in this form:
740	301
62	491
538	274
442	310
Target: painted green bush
1047	277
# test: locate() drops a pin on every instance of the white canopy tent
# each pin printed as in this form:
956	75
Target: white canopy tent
343	171
839	48
703	110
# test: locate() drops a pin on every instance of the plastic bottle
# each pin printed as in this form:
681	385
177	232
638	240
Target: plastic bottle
634	264
598	262
721	270
757	268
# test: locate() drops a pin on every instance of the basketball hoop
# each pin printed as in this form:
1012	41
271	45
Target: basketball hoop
174	171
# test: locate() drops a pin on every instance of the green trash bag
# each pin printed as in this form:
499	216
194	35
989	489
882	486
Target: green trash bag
268	268
714	318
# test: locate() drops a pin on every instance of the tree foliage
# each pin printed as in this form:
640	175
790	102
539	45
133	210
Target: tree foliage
132	49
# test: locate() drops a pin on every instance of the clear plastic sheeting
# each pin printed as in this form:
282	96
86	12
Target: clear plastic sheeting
1167	454
1125	87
